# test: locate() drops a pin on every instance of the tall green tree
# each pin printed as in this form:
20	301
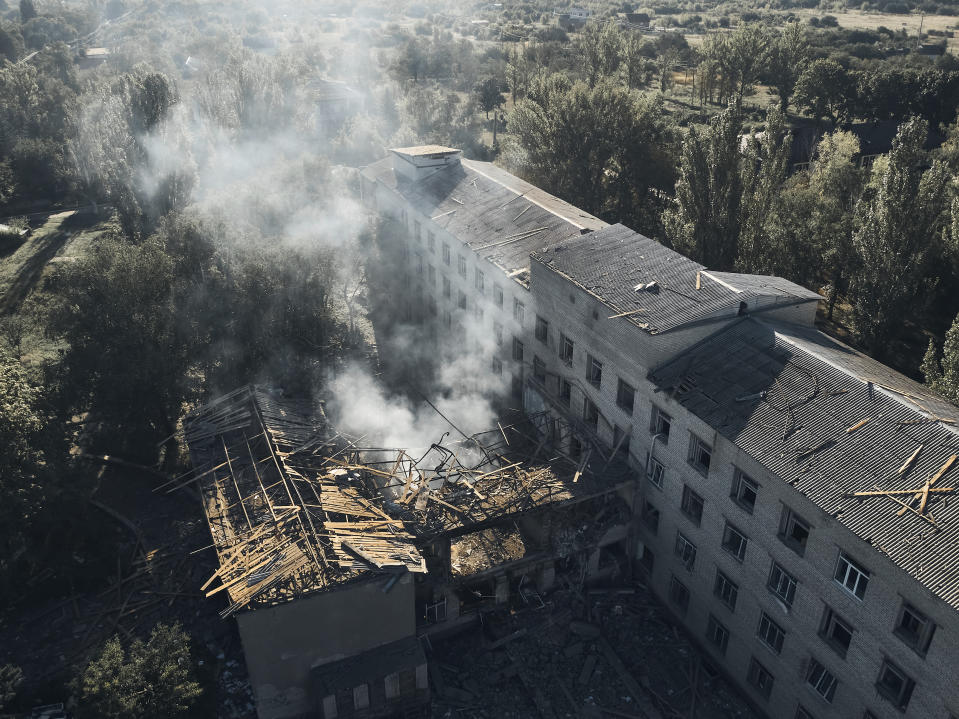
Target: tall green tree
825	89
941	373
898	233
606	149
705	221
489	95
146	680
788	56
600	49
747	56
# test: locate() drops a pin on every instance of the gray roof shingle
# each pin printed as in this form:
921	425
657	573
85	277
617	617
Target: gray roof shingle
787	396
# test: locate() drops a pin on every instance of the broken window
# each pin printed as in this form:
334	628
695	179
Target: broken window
655	471
480	281
793	531
745	491
760	678
700	454
625	396
417	230
594	371
734	542
621	441
498	296
566	349
659	424
914	628
678	595
821	680
539	370
650	516
851	576
726	590
498	333
717	634
894	685
835	632
685	550
565	391
692	505
361	696
770	633
782	584
497	366
590	413
542	329
446	254
517	350
461	299
519	311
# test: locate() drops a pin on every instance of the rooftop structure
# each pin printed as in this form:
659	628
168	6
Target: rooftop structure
656	288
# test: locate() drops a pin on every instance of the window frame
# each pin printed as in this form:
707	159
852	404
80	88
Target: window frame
650	516
447	288
655	470
769	627
479	280
431	241
539	370
899	699
685	550
830	620
498	296
674	585
788	522
712	625
519	311
698	448
741	479
590	413
623	389
825	683
461	267
518	349
739	551
541	324
725	590
565	391
760	678
660	423
447	256
792	582
691	505
917	641
852	566
594	371
565	343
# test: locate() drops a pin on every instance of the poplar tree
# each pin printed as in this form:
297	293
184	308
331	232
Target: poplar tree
896	236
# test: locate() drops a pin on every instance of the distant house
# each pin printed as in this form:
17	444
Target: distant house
574	17
93	56
875	139
637	18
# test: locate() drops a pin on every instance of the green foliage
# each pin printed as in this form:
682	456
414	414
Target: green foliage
489	95
10	680
896	237
599	48
28	10
788	55
942	374
824	89
603	149
11	43
127	358
146	680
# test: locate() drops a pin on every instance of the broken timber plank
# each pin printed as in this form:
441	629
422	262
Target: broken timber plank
858	425
912	458
919	495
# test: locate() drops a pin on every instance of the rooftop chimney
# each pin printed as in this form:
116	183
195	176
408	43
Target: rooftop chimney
417	163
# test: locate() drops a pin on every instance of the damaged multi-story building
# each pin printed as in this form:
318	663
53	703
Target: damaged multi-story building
792	499
339	559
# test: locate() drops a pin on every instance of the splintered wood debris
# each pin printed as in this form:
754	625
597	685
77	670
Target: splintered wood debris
293	509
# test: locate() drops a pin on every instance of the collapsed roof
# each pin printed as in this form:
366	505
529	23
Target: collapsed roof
294	508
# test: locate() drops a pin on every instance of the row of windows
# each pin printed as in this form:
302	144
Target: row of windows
892	683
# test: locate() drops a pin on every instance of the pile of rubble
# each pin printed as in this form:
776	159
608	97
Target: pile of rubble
585	653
